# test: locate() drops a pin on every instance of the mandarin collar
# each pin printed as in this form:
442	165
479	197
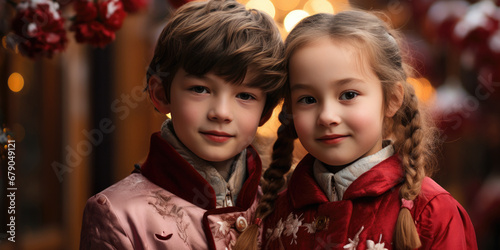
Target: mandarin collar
303	189
167	169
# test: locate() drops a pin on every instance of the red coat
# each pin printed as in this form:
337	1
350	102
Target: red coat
169	205
305	219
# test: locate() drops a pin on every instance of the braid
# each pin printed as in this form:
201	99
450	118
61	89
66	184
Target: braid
281	162
274	179
414	150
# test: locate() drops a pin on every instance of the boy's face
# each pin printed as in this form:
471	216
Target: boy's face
214	119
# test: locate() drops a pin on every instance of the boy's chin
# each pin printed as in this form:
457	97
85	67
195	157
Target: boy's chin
218	158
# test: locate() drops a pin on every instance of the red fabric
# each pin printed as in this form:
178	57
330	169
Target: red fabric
371	202
167	169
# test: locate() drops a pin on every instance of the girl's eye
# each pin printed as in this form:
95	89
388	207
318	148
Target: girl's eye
199	89
348	95
245	96
307	100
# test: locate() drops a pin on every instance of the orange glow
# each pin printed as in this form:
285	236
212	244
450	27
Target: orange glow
16	82
423	89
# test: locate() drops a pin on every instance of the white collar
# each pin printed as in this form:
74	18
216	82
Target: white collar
237	174
343	178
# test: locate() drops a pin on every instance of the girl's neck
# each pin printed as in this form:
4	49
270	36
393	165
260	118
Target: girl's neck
335	169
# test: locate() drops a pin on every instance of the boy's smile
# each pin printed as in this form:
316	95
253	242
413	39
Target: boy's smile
213	118
216	136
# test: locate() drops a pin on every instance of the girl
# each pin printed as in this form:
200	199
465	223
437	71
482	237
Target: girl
347	98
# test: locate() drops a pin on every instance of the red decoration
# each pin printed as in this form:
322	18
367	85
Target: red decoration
96	22
38	28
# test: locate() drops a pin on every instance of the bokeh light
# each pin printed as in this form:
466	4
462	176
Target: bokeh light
264	5
293	18
423	88
318	6
16	82
286	5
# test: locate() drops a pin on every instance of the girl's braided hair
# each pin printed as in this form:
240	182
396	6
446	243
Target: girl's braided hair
413	135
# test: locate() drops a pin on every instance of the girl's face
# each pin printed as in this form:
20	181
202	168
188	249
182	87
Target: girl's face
337	102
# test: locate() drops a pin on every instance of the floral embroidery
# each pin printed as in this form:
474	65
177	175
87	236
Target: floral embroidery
310	227
292	225
370	245
276	233
223	228
354	242
166	209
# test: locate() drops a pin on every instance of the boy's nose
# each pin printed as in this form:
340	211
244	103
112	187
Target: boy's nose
220	111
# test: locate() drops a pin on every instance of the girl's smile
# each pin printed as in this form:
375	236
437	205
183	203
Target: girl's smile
332	138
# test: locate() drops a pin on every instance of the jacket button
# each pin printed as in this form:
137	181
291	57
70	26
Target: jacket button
321	223
241	224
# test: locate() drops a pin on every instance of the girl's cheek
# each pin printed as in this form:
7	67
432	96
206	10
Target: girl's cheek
304	123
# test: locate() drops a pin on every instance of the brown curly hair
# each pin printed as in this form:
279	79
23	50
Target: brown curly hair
222	37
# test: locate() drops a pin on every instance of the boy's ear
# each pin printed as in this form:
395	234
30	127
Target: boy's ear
265	117
395	101
157	94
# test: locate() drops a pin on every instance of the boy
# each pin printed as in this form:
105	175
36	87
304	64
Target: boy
217	70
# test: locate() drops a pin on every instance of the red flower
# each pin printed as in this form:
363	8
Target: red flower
96	21
86	11
39	28
112	14
93	33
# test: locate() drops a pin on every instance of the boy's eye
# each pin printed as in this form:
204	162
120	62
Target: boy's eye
199	89
348	95
307	100
245	96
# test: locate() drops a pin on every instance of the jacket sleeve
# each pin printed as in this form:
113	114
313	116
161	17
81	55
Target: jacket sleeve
101	229
444	224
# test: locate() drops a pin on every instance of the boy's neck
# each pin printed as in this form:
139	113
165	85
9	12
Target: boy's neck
223	167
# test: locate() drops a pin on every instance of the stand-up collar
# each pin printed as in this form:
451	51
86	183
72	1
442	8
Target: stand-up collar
167	169
304	190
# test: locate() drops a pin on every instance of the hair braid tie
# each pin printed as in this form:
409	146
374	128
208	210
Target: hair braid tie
408	204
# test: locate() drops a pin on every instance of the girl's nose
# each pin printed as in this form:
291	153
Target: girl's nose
220	110
329	116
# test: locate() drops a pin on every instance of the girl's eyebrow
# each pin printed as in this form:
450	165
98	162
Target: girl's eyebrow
299	86
340	82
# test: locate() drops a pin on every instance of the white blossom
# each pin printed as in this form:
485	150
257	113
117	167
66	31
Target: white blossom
292	225
370	244
224	227
354	242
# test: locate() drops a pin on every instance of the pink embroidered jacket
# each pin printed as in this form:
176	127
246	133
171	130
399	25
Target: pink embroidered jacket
169	205
366	216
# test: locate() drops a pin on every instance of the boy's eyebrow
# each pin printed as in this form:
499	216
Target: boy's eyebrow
338	82
195	76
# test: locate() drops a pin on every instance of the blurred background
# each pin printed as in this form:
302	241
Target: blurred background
72	103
